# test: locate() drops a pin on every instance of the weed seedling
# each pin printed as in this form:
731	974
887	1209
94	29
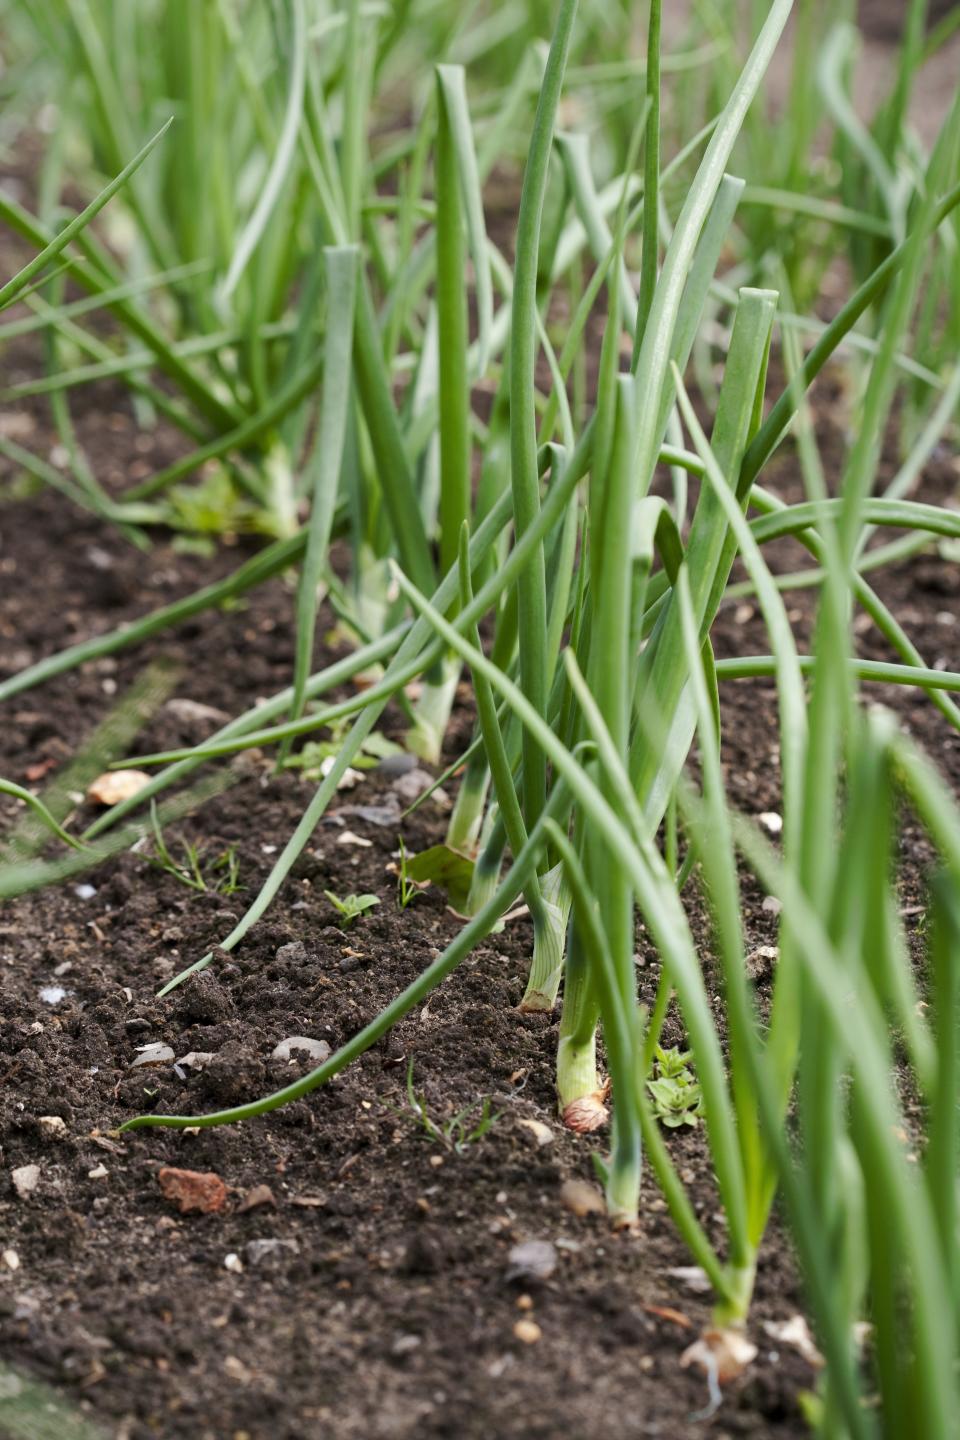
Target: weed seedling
461	1130
316	756
408	889
350	906
677	1099
222	875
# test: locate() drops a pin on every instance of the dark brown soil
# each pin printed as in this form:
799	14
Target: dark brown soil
388	1309
390	1312
885	19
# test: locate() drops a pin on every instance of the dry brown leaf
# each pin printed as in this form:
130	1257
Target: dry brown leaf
667	1312
37	771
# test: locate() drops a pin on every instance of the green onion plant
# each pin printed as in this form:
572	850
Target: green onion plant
566	540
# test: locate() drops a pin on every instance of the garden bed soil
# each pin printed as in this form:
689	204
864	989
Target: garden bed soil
382	1306
388	1310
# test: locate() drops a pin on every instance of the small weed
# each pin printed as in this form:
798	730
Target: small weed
677	1099
220	876
350	906
209	507
408	889
314	758
464	1128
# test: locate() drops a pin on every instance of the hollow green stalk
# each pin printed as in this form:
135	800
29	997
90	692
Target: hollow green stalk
531	584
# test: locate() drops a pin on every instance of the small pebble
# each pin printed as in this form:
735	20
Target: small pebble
197	1059
317	1050
116	785
542	1134
692	1277
760	961
293	953
53	1127
397	764
235	1368
153	1054
347	780
260	1251
25	1179
411	786
193	713
528	1332
193	1189
256	1198
385	815
531	1260
99	1172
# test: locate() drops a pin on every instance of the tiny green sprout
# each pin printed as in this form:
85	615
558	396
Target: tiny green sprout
350	906
312	757
209	507
222	874
464	1128
677	1098
407	889
226	870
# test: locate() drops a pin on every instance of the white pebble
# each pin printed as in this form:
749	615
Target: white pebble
317	1050
25	1179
